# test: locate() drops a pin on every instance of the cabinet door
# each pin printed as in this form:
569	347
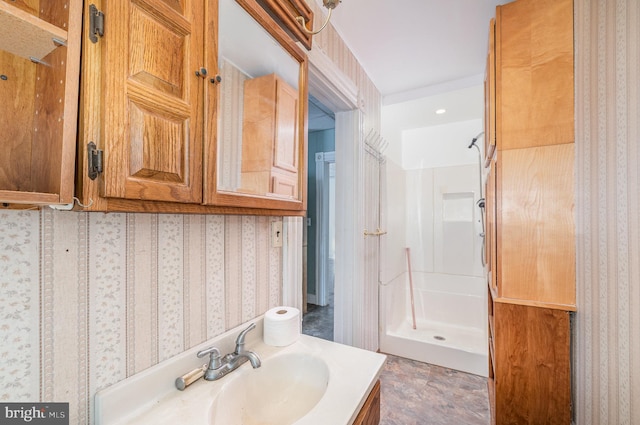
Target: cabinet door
534	73
490	96
153	107
532	365
286	141
491	252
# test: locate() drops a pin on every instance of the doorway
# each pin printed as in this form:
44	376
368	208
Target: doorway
319	232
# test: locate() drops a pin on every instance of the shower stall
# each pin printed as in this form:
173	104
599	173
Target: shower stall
434	211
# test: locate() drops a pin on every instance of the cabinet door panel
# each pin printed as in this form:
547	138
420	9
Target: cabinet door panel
152	128
534	73
286	146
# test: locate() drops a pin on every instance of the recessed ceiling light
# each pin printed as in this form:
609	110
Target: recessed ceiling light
440	111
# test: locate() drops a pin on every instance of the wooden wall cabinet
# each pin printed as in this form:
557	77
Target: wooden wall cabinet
39	69
530	213
150	104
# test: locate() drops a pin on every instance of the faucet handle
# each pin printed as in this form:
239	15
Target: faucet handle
214	358
240	339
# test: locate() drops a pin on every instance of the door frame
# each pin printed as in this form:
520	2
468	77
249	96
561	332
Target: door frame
339	94
323	205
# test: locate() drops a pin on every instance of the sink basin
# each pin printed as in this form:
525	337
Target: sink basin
280	392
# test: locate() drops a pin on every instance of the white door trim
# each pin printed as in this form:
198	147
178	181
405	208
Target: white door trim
337	92
323	203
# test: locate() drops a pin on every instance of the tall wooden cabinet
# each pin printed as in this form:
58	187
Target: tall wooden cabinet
530	212
39	72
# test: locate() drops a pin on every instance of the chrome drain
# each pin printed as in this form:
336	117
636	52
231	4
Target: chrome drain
439	338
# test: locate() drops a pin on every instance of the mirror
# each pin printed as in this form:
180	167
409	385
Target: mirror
261	107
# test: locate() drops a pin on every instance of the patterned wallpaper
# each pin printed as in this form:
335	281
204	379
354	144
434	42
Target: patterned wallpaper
607	353
88	299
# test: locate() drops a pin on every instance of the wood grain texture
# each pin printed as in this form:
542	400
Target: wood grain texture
535	223
26	35
16	121
491	245
490	95
370	412
269	142
532	375
40	122
154	124
285	13
534	73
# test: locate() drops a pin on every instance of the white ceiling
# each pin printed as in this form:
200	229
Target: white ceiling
410	47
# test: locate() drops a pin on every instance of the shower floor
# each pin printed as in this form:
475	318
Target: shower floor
454	347
462	338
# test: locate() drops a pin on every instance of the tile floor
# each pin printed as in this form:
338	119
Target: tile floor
416	393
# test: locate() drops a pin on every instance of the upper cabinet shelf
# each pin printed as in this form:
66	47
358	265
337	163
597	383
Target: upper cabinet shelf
40	78
26	35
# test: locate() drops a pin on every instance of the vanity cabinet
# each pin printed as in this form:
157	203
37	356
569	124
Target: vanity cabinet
39	72
270	106
370	412
150	105
530	213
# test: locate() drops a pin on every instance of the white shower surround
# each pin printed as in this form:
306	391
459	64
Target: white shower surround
441	224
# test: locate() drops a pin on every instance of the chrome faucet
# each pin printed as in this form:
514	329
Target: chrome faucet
220	366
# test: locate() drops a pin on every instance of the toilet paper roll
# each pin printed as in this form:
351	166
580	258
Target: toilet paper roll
281	326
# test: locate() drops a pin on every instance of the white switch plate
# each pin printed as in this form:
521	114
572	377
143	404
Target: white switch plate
276	234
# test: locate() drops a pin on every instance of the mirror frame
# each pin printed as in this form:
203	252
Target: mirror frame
285	13
213	196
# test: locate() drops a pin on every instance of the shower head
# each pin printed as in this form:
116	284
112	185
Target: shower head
475	139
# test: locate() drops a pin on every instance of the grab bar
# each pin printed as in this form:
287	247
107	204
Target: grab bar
378	232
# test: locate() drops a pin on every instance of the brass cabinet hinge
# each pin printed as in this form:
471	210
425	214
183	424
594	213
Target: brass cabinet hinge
95	160
96	23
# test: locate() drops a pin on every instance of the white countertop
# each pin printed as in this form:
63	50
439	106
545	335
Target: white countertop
147	398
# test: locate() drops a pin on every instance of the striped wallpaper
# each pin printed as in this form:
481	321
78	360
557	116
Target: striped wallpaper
606	366
88	299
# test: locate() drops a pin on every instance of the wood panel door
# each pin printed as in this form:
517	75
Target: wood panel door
153	110
532	365
536	236
286	142
490	96
534	73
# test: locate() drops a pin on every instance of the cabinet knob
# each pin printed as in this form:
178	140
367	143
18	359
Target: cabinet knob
202	73
215	79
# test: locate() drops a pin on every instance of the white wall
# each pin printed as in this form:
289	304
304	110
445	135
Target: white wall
461	105
444	145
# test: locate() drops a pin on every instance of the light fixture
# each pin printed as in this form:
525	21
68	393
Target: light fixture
440	111
329	4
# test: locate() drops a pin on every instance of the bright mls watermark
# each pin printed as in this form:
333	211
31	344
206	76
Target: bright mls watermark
34	413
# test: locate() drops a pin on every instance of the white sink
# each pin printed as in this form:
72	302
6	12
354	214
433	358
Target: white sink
310	382
284	389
